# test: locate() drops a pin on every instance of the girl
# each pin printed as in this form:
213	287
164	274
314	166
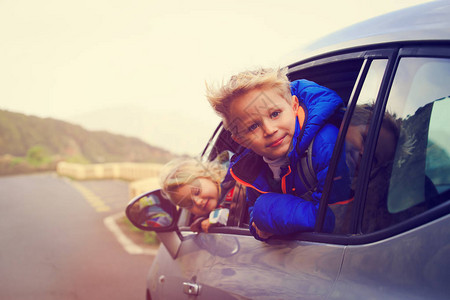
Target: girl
196	186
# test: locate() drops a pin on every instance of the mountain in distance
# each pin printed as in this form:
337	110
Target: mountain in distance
60	140
182	134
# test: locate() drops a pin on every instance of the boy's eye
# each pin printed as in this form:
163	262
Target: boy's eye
252	127
275	114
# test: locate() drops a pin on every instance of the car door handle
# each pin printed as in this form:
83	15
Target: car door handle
191	288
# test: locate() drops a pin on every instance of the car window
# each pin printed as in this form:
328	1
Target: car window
338	76
411	164
437	166
222	148
356	138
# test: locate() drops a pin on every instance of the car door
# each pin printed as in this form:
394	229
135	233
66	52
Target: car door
392	240
395	249
279	269
301	266
400	243
229	263
187	276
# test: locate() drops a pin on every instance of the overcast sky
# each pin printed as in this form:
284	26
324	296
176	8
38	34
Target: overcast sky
61	58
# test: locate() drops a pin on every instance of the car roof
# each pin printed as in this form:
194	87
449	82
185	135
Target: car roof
426	22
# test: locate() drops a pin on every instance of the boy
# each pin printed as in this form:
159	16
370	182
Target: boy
263	113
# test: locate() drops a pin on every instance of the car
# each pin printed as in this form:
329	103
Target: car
393	240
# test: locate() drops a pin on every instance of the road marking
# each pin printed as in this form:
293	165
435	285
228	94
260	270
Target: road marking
110	222
127	244
91	198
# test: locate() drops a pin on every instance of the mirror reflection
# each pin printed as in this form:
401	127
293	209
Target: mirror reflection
151	211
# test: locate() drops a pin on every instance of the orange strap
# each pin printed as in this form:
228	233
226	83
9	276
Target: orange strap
244	183
343	202
301	119
283	180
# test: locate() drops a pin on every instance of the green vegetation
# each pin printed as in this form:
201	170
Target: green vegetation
148	237
16	161
37	156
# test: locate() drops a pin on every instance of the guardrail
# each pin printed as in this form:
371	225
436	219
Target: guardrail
126	171
143	176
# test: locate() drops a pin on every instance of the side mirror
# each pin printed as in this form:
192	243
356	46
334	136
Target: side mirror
152	212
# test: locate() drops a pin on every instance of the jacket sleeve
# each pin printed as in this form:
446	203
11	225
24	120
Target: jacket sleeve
321	104
316	98
283	214
251	197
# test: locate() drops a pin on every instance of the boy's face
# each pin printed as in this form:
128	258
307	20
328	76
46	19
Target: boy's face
264	121
199	197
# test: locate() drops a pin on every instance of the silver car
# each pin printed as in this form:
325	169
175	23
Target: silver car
393	240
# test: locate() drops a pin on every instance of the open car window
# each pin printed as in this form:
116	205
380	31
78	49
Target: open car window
221	143
382	205
221	147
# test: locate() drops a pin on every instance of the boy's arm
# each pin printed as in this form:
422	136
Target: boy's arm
282	214
251	197
261	234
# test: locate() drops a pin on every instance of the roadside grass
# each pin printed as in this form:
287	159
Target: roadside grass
147	237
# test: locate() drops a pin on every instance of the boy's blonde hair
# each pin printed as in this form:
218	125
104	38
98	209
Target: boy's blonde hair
184	171
221	98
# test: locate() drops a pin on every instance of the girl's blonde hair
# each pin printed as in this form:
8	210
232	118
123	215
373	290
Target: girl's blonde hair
184	171
221	98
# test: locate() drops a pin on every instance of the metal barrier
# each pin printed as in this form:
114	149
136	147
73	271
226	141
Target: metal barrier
126	171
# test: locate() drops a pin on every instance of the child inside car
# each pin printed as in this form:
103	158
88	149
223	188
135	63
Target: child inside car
199	187
262	111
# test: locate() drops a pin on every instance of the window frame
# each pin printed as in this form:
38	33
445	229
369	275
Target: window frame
367	56
393	53
418	51
355	236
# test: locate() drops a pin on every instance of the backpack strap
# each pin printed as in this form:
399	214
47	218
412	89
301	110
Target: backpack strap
306	173
305	168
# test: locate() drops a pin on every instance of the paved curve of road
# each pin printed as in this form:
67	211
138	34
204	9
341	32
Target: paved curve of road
55	244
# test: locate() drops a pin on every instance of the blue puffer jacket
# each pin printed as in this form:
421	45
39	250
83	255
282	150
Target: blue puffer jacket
276	207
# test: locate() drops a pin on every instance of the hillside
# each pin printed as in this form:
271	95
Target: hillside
21	134
176	130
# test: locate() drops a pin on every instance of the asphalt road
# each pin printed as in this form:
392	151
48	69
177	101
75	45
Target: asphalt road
55	245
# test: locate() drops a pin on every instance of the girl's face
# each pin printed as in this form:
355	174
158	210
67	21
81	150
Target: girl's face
199	197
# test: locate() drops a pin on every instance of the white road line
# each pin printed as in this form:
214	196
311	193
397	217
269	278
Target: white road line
110	222
127	244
